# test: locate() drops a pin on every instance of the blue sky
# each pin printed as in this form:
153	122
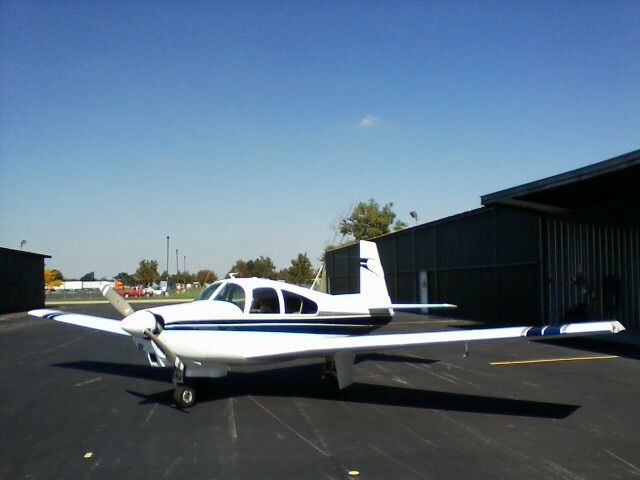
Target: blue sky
248	128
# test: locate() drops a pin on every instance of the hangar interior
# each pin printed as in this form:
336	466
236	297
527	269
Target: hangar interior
564	248
21	280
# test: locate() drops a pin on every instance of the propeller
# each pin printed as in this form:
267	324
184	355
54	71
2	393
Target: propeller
119	303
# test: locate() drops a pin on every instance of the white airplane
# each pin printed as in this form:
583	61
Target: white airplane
242	321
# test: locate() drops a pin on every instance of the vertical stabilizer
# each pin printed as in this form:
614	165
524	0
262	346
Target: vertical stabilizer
372	284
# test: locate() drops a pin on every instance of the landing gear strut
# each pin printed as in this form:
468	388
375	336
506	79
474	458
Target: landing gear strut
330	376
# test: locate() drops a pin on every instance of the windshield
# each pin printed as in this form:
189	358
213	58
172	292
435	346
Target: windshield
231	293
206	293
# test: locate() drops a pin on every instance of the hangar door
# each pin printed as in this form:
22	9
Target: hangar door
591	271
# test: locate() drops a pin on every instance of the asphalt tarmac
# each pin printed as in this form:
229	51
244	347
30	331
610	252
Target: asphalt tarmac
80	404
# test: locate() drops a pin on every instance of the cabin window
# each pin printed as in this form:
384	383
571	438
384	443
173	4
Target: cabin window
294	303
232	293
265	300
207	292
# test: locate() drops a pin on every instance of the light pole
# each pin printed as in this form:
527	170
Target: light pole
177	264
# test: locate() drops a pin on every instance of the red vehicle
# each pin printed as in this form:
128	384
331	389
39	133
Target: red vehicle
130	292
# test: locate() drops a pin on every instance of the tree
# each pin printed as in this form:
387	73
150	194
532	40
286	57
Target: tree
52	278
182	277
369	220
261	267
125	278
147	271
300	272
88	277
206	276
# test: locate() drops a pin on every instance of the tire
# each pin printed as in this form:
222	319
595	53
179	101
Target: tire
184	396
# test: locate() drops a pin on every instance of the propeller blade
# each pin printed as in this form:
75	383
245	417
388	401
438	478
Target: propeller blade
119	303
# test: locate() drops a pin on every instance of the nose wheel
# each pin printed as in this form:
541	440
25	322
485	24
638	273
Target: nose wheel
184	396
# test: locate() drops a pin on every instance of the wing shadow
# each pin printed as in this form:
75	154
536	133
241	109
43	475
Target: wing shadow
304	381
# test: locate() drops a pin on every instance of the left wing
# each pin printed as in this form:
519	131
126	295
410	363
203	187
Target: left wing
89	321
376	343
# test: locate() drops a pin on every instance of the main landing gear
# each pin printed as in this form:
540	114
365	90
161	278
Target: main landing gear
184	396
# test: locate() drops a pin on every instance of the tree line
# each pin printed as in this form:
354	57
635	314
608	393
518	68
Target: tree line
367	220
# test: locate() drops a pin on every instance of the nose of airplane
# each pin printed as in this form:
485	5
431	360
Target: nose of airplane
138	322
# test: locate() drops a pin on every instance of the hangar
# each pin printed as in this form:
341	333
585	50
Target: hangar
21	280
562	248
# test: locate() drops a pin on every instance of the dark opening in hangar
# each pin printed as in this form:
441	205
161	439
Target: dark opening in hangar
562	248
21	280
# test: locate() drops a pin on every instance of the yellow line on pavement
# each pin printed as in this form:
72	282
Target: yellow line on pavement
549	360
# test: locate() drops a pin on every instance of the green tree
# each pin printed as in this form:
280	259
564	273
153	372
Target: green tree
368	220
300	272
88	277
206	276
261	267
147	271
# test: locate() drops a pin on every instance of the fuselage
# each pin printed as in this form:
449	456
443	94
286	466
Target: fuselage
236	316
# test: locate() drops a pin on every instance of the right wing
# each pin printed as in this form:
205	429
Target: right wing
376	343
403	306
89	321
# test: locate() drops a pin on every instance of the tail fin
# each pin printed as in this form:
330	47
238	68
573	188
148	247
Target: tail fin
372	284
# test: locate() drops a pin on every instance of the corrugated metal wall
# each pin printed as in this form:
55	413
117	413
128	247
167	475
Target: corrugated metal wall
486	261
21	281
592	271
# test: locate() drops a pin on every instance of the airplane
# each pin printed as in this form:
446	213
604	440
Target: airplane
240	321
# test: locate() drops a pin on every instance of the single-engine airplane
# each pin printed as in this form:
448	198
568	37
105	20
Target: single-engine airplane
242	321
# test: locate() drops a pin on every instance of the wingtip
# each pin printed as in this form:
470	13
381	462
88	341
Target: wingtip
42	312
617	327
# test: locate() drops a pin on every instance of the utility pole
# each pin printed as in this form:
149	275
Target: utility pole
177	264
167	261
184	264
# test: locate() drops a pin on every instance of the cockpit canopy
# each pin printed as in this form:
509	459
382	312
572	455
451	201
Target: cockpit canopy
260	299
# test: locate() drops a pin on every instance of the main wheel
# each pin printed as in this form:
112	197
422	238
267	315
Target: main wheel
184	396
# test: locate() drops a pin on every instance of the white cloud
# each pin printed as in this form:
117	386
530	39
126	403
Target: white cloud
368	121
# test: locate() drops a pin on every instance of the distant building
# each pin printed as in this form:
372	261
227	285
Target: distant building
21	280
563	248
83	285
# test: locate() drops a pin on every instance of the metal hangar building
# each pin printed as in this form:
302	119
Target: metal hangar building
564	248
21	280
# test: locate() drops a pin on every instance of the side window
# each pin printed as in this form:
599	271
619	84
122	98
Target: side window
294	303
265	300
232	293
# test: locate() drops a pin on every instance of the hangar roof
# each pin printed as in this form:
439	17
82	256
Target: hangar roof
610	180
22	252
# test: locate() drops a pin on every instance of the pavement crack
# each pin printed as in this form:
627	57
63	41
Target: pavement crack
623	461
288	427
398	462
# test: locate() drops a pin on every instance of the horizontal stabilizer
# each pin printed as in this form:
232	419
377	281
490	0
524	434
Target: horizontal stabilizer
376	343
89	321
406	306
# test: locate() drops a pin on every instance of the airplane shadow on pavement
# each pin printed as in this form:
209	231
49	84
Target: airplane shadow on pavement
304	381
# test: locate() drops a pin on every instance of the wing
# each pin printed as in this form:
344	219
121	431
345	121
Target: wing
89	321
376	343
403	306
